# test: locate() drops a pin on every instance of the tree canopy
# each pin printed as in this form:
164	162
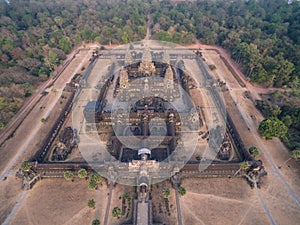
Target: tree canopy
68	175
91	203
262	36
82	173
96	222
272	127
254	151
166	192
116	212
181	191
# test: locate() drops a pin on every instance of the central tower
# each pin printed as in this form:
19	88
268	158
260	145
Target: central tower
147	66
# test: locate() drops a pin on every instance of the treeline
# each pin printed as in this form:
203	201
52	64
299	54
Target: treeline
263	36
37	35
285	114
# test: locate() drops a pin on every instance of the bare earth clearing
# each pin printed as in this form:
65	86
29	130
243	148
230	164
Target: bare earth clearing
61	202
116	201
163	213
220	201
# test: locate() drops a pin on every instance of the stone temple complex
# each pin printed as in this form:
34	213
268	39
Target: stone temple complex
142	116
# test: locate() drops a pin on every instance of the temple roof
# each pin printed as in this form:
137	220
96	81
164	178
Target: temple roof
144	151
147	57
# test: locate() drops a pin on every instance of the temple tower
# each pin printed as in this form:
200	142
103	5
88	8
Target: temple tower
166	57
147	66
123	77
128	58
169	76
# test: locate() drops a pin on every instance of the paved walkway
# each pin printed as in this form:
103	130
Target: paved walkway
179	218
108	204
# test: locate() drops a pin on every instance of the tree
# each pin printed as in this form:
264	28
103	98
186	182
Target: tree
51	59
287	120
92	185
181	191
296	154
243	167
65	44
82	173
254	151
282	71
96	222
25	166
68	175
254	58
272	111
116	212
142	30
54	90
272	127
96	178
91	203
166	192
127	196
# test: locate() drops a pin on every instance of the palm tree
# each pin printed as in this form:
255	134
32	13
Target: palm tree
82	173
127	196
91	203
254	151
96	178
68	175
166	192
181	191
96	222
116	212
92	185
294	155
243	166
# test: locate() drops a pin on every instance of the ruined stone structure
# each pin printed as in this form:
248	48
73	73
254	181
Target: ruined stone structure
145	137
147	66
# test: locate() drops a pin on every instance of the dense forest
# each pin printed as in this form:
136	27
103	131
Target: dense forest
262	36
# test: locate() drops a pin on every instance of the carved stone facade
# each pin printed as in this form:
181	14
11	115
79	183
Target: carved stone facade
147	66
123	78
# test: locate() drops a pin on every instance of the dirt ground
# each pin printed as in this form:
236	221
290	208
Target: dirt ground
51	201
220	201
9	193
208	200
116	201
160	211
